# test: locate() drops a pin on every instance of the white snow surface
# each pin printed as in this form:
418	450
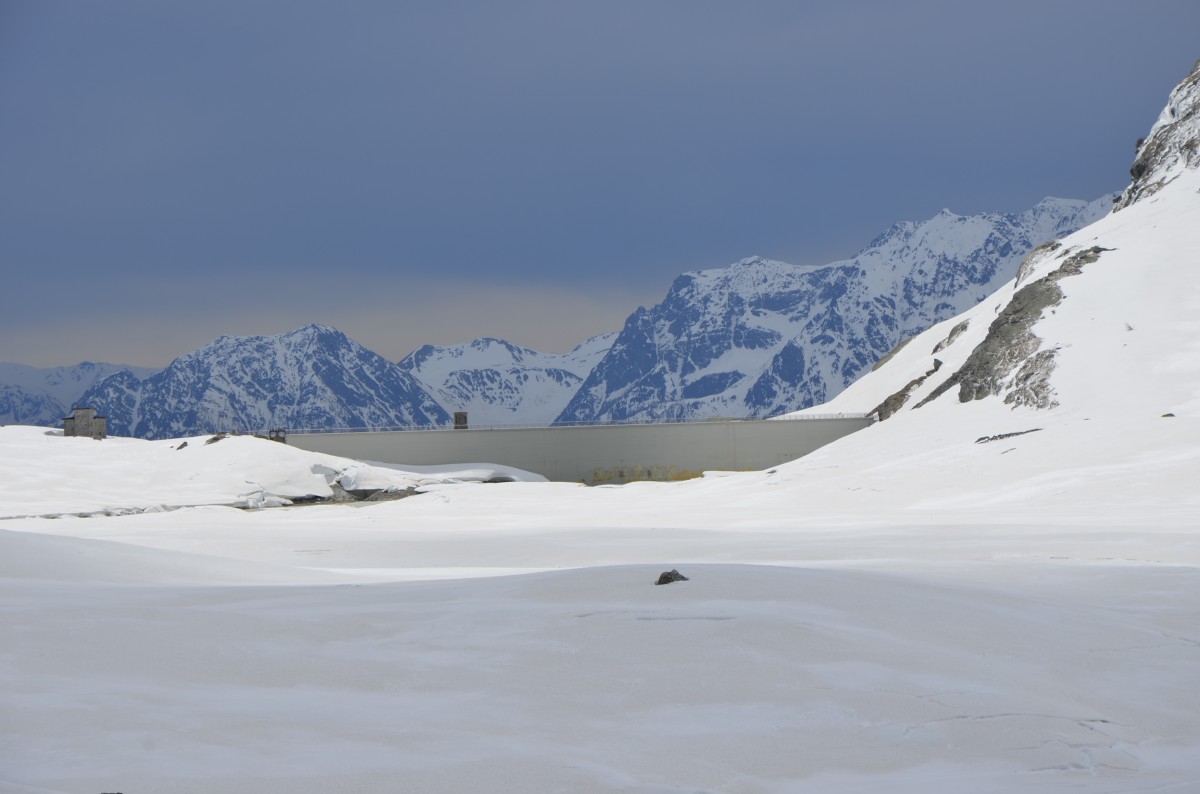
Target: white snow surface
47	474
905	610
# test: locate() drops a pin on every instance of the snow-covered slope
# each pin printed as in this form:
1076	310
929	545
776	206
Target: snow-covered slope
1101	325
314	377
499	383
1074	390
42	395
46	474
762	337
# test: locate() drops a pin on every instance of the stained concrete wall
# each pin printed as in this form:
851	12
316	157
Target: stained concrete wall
84	422
601	453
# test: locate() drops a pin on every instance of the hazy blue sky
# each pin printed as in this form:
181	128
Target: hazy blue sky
434	172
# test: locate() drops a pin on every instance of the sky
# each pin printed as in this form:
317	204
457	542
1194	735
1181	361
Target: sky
416	173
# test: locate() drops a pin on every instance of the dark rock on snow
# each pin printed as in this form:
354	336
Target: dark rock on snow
666	577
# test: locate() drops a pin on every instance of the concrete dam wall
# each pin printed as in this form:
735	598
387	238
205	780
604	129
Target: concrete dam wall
598	454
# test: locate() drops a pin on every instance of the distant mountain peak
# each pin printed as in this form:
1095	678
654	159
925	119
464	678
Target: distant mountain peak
312	377
500	383
42	396
761	337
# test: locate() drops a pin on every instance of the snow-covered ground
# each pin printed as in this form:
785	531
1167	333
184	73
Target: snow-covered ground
48	475
943	602
850	625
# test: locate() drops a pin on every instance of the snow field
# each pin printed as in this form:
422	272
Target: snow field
746	678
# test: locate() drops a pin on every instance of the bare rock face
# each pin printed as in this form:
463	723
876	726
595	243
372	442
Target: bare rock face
1035	258
894	402
1008	361
1172	145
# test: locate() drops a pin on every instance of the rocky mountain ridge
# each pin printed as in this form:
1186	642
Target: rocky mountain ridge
761	337
1171	147
312	378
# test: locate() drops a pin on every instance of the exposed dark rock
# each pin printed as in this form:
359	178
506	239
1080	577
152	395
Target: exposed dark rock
381	495
216	438
666	577
181	446
988	439
1171	142
1035	258
1031	385
1010	345
955	332
895	402
341	495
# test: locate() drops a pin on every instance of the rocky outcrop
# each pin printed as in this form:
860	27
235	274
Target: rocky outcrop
1172	144
894	402
1008	361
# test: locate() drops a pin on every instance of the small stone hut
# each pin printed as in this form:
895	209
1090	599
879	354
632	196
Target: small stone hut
84	422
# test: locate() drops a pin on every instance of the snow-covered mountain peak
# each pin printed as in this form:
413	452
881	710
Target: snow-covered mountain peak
500	383
268	355
761	336
593	348
41	396
951	235
312	377
1053	203
503	350
1099	324
751	262
483	352
745	275
1171	146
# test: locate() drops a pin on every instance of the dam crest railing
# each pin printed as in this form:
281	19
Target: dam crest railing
614	423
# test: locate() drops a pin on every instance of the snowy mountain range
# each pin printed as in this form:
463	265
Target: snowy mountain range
499	383
760	338
757	338
314	377
42	396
